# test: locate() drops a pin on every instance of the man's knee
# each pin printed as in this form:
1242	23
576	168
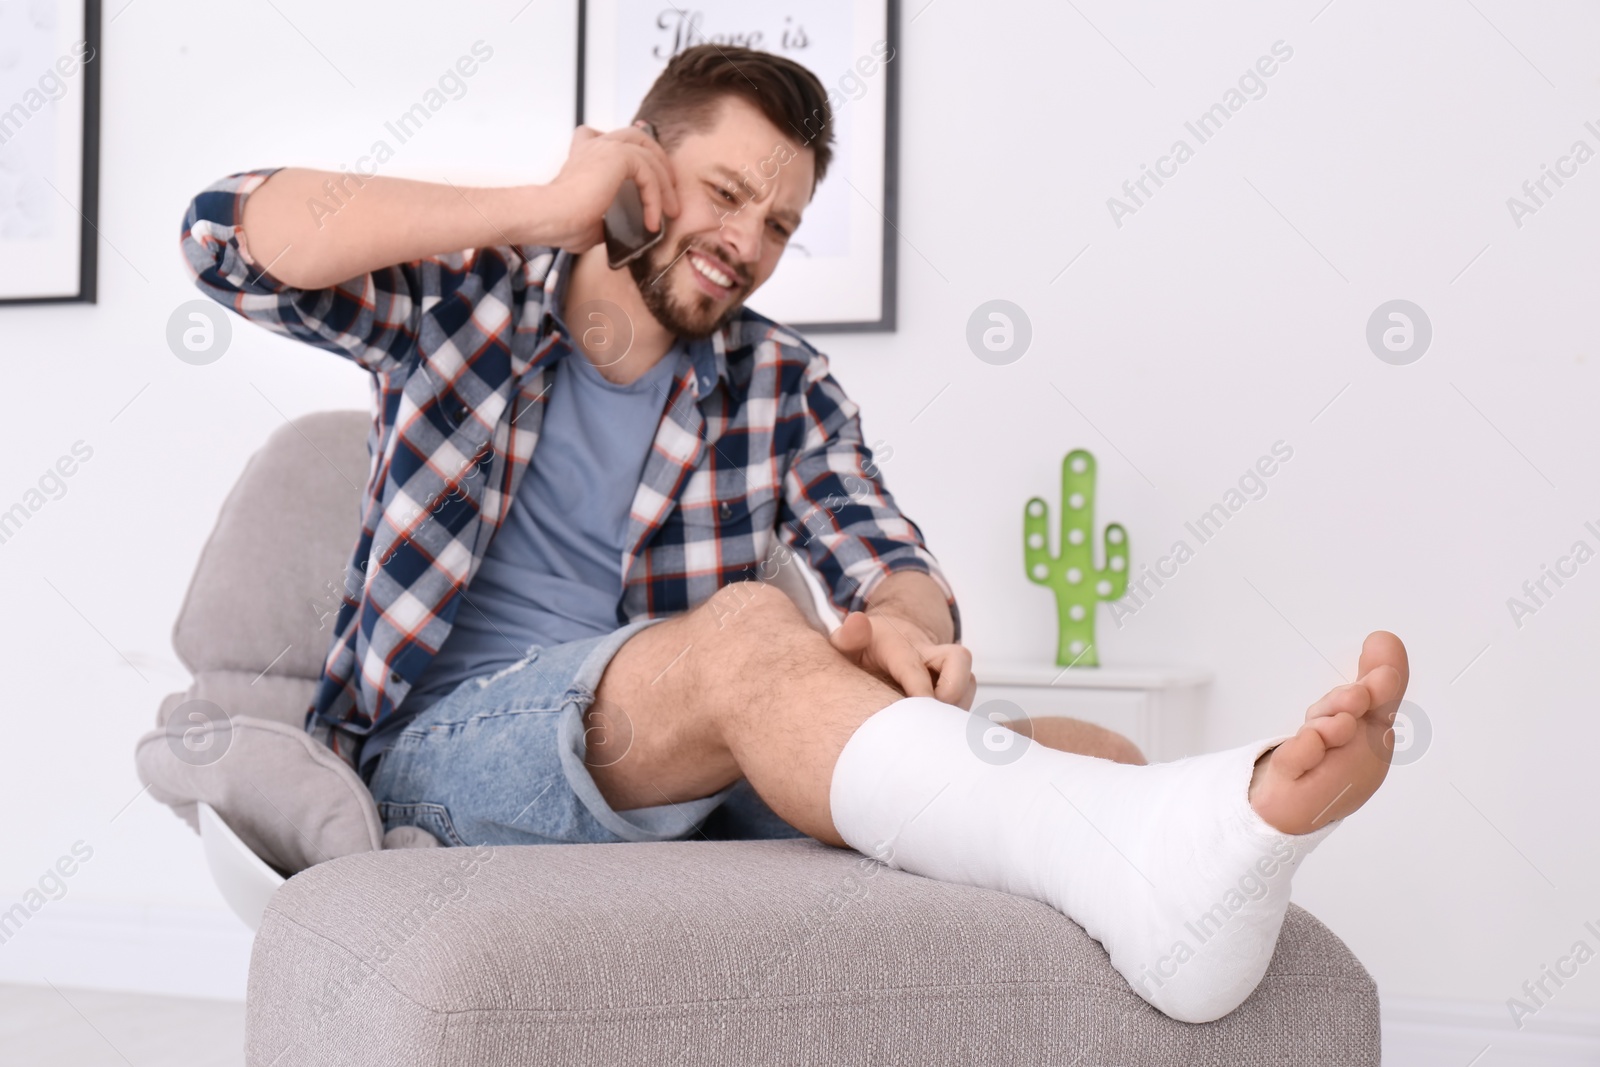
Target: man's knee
1125	751
742	610
1108	744
1084	738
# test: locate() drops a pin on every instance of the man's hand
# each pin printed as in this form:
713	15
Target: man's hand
596	166
907	656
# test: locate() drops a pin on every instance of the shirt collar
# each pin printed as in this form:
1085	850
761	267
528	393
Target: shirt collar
707	355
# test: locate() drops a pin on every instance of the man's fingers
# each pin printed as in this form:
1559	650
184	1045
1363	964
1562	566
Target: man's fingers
853	636
953	665
908	670
663	164
646	164
658	161
650	178
950	688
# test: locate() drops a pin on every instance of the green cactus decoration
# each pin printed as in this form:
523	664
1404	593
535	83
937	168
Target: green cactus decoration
1078	584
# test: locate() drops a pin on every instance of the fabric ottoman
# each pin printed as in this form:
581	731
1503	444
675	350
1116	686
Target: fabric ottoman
738	953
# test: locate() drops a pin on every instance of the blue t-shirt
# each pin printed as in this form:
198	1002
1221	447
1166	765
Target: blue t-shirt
553	571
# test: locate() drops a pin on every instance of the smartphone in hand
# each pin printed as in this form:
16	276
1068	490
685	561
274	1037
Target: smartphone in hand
623	224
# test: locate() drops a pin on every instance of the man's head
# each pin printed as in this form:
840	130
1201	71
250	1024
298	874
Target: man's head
749	135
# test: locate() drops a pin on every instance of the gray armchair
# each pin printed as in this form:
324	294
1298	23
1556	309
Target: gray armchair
693	952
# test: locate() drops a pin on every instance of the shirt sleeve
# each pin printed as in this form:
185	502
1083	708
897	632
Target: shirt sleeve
837	509
371	319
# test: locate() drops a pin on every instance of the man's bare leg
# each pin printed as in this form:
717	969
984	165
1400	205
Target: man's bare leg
743	687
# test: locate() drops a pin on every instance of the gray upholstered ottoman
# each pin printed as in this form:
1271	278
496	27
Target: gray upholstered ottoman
739	953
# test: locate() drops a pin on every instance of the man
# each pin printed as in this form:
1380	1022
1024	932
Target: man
558	627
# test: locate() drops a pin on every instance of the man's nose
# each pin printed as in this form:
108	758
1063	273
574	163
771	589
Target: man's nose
741	229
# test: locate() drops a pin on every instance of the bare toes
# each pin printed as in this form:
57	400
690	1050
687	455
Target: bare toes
1353	697
1299	754
1335	730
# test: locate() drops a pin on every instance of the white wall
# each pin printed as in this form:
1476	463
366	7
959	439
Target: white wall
1220	318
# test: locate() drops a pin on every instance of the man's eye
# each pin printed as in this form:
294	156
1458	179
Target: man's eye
729	197
781	231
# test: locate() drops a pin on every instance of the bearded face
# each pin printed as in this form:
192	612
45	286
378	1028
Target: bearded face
692	285
742	186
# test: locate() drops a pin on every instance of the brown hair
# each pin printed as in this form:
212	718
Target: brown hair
686	96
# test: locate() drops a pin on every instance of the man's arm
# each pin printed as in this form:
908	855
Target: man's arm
346	262
319	228
902	622
315	229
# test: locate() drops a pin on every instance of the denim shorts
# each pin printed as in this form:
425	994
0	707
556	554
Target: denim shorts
500	760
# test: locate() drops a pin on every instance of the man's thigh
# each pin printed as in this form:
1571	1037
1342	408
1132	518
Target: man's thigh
503	759
658	731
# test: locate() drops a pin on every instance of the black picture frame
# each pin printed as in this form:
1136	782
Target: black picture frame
89	181
886	320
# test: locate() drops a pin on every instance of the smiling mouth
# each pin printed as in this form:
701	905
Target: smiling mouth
711	271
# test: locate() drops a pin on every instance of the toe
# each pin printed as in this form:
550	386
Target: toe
1382	647
1353	697
1386	685
1299	754
1335	730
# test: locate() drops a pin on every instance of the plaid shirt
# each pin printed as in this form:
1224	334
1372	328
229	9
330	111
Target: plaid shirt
757	441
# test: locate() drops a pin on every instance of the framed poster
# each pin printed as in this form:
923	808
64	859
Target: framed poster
49	150
838	271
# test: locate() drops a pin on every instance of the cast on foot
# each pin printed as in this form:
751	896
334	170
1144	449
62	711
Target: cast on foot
1180	870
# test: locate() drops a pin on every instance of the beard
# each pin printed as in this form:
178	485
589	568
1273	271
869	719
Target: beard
695	318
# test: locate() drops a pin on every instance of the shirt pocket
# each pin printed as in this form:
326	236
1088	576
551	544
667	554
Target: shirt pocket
736	523
453	429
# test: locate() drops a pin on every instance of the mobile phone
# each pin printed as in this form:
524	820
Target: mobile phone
623	224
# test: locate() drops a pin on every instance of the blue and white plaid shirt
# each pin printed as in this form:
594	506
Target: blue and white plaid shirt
757	441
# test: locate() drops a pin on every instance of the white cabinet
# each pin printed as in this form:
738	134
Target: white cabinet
1158	708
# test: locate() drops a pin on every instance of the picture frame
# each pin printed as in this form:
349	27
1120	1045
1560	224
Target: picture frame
50	152
838	273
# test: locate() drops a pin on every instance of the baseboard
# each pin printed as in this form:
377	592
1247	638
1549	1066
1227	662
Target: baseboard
160	950
1429	1032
